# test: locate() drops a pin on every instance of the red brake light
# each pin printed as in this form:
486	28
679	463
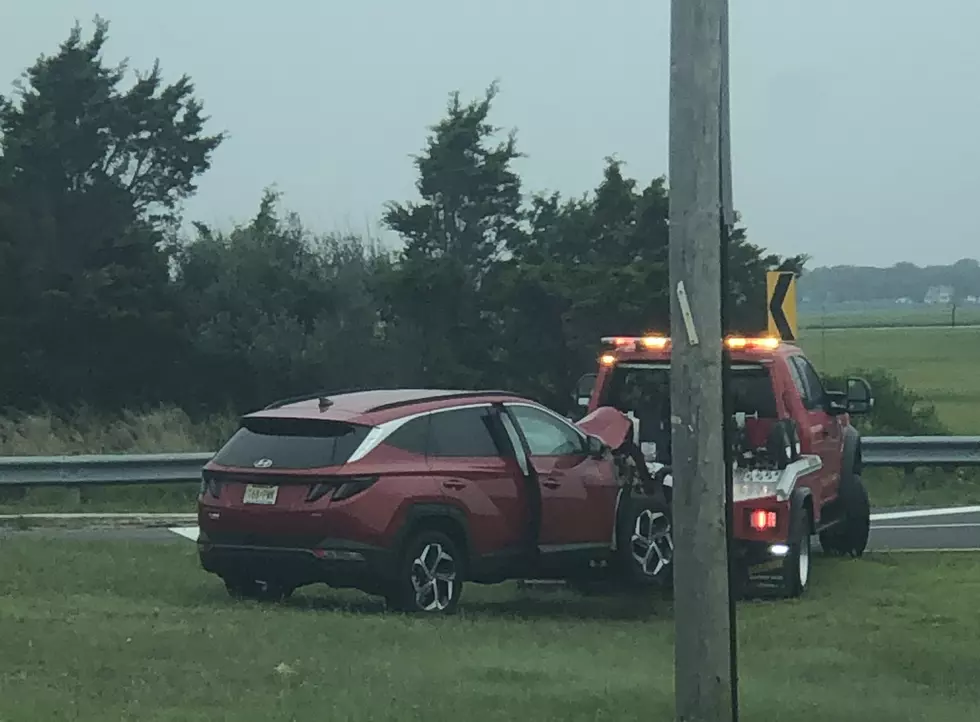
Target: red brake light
761	520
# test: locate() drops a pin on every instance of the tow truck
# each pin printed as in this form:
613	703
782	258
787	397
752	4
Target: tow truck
796	456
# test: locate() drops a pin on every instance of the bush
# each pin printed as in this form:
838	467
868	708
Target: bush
898	411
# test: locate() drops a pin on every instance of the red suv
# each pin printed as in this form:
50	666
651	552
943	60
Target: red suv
407	493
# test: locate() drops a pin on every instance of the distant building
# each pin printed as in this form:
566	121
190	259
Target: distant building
939	294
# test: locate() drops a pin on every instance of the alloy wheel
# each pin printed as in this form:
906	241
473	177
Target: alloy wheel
652	544
433	578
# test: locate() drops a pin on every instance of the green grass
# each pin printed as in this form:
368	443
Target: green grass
112	631
934	316
937	363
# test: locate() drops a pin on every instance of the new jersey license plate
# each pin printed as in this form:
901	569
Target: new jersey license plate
257	494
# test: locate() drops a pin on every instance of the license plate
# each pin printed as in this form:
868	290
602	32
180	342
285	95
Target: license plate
255	494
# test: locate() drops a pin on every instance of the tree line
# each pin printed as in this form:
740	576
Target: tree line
842	284
106	302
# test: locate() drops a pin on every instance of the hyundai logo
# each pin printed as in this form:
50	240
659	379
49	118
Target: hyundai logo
262	464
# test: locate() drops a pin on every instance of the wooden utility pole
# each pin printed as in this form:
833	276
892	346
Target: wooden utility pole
703	646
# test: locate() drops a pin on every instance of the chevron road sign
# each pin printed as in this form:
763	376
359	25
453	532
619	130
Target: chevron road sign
781	303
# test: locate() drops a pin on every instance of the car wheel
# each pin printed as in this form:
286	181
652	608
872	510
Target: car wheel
256	590
428	578
850	536
646	542
796	563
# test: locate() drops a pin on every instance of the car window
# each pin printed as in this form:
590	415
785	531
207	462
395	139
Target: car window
291	443
814	386
412	436
797	376
546	435
461	432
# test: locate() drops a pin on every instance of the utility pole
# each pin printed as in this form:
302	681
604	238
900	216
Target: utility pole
703	652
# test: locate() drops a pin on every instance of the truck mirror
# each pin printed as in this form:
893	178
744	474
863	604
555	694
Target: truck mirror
583	389
859	400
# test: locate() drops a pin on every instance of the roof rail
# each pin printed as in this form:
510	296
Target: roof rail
439	397
315	395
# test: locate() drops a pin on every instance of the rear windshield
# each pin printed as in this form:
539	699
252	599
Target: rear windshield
644	389
291	443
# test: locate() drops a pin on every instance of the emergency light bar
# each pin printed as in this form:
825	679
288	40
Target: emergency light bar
653	343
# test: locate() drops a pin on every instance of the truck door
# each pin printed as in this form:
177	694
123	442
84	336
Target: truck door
822	432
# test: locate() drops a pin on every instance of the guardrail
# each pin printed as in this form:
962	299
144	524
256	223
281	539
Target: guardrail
111	469
911	451
118	469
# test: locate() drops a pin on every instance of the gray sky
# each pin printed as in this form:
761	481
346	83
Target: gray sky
854	121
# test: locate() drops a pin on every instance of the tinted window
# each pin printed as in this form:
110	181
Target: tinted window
794	373
814	387
546	435
644	390
411	436
461	432
291	443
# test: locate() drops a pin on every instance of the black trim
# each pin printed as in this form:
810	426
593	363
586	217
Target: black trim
800	495
298	566
417	515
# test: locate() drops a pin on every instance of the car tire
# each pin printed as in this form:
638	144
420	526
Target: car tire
645	542
850	535
428	576
795	571
256	590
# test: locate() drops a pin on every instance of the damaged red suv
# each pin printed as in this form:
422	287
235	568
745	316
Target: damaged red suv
409	493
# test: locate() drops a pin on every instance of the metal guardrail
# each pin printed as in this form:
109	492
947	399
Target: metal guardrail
112	469
912	451
119	469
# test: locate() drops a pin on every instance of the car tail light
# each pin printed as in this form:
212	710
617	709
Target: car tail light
762	520
340	488
210	485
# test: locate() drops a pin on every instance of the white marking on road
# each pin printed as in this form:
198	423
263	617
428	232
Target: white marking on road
918	513
927	526
934	550
188	532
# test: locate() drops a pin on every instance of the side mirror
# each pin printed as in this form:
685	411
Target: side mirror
858	398
583	389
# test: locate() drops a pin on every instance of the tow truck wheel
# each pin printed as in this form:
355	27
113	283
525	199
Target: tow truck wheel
850	536
796	563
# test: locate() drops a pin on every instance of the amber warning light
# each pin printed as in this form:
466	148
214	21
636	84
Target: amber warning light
653	343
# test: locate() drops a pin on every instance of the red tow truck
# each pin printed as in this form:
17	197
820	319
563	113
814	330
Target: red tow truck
797	458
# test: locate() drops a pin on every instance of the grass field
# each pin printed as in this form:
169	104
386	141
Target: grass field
937	363
108	631
893	317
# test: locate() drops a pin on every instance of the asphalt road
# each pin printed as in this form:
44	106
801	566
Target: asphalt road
953	529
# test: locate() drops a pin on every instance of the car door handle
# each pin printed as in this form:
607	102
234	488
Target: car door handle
456	485
551	483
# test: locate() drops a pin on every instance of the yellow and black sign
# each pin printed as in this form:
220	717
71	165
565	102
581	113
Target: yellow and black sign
781	302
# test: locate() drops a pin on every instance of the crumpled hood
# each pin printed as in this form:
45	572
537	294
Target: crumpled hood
613	427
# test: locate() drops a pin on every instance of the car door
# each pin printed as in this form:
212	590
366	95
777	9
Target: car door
578	492
477	478
822	433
